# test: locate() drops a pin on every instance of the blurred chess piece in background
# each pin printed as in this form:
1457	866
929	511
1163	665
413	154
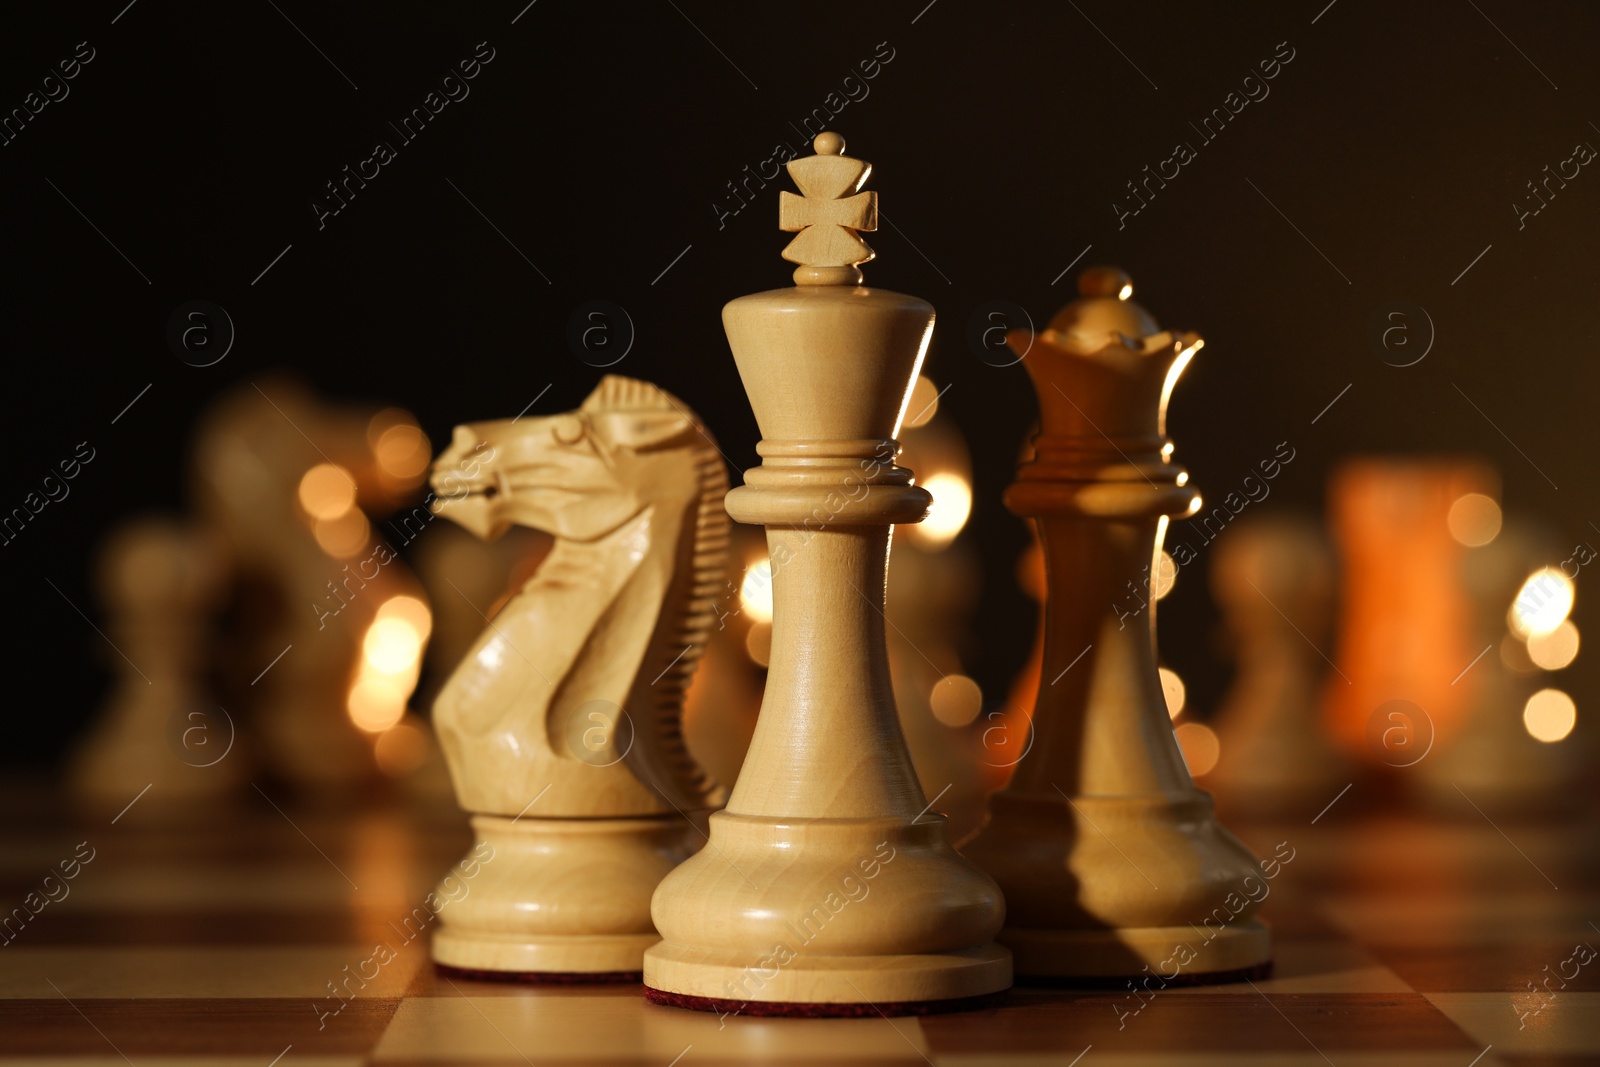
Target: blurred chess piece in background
1405	632
1273	578
160	581
934	583
1513	751
1006	732
328	625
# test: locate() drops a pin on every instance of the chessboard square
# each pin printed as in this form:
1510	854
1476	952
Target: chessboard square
691	1058
302	972
1309	1058
430	981
1448	920
1484	968
286	888
229	926
1569	1024
1223	1023
113	1060
602	1029
139	1028
1318	967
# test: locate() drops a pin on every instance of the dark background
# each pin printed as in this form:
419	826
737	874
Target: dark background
597	141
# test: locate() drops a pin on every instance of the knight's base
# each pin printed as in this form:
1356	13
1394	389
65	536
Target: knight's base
821	1010
557	895
1163	955
579	955
822	985
470	974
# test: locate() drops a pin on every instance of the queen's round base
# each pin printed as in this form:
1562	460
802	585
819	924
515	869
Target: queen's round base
824	985
518	958
1173	955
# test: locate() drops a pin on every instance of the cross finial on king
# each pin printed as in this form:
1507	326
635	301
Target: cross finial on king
828	214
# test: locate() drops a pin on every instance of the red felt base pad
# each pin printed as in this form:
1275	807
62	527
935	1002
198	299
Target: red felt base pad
821	1011
541	977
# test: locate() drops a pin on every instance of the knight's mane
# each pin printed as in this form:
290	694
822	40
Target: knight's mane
704	558
615	393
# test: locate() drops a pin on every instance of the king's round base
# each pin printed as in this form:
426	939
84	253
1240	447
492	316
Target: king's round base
1173	955
824	985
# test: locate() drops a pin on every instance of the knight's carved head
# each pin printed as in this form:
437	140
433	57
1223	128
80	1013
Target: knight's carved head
578	475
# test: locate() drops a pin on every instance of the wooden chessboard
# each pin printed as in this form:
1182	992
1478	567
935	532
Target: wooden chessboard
1400	941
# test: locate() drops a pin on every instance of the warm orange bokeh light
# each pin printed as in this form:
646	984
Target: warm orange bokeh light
344	536
403	451
1556	649
1550	715
955	700
755	592
1173	689
1474	519
391	661
923	405
1543	603
327	491
952	504
1200	747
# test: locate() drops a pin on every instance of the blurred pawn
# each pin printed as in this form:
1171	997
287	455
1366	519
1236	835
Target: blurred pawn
1273	578
1510	752
160	581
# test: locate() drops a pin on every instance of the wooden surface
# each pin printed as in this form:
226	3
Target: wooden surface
1399	942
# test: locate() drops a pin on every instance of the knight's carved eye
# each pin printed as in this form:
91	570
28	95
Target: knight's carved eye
568	431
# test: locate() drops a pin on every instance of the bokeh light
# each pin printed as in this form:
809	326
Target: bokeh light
1543	602
327	491
952	504
1166	575
1474	519
1549	715
755	592
391	645
1173	689
344	536
1556	649
391	662
377	701
1200	747
403	451
924	403
758	643
956	700
414	612
1514	654
401	749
